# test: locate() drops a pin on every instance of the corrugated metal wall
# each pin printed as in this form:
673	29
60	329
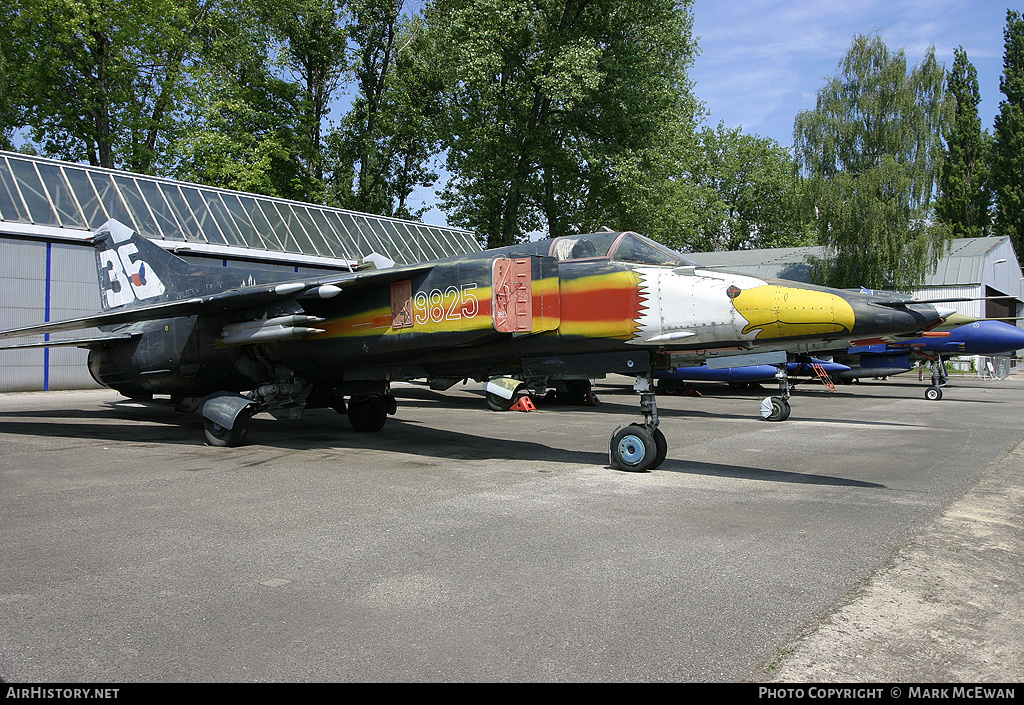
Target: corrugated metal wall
41	281
22	293
967	308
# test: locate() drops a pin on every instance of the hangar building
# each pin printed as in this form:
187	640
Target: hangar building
48	210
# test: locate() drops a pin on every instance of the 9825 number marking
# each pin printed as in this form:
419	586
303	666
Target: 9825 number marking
452	304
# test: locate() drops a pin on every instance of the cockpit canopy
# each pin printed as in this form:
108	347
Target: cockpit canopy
620	247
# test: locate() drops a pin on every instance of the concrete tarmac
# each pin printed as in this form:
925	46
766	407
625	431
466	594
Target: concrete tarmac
873	537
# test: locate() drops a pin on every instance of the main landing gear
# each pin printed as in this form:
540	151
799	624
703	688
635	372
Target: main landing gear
639	447
778	408
226	415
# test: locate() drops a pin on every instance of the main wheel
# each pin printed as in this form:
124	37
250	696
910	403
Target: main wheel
633	448
367	414
933	393
221	437
576	392
496	402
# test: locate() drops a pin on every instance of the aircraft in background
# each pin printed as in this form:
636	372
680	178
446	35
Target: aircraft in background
675	381
978	337
231	342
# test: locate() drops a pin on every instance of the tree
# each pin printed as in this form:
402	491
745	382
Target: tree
870	152
752	192
103	82
551	104
379	155
964	198
10	107
244	128
1008	146
245	134
313	49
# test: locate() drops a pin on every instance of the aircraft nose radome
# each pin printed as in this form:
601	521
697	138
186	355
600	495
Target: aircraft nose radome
1013	337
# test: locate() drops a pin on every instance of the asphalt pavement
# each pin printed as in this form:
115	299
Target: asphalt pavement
875	536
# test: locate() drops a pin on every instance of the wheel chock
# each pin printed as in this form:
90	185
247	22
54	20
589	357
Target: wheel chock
524	404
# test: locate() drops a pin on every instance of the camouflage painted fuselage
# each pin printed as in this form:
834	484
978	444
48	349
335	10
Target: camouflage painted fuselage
462	318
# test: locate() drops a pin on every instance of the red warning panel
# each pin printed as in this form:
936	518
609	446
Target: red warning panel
512	297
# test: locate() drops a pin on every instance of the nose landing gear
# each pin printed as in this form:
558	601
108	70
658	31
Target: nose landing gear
778	408
939	379
639	447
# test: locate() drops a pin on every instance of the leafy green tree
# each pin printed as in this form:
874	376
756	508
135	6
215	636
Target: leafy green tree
244	127
870	152
753	193
964	198
10	106
380	153
553	107
1008	147
313	38
104	82
245	135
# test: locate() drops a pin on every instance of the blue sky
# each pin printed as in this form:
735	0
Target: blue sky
763	61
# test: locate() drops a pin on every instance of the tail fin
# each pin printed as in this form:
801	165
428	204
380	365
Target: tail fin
132	270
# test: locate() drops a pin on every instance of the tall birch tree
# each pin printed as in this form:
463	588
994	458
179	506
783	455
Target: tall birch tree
870	152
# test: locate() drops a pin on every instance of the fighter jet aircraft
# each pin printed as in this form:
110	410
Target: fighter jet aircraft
233	344
978	337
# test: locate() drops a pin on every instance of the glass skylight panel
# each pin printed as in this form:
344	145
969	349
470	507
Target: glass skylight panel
207	225
189	226
61	198
259	221
92	207
316	238
124	202
297	238
11	207
433	246
220	208
415	244
404	248
31	187
167	224
362	243
384	244
339	242
279	228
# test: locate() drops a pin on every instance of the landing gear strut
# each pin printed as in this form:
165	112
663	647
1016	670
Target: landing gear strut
778	408
939	379
640	447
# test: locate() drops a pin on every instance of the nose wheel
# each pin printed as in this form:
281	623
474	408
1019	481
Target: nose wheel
775	409
640	447
778	408
939	379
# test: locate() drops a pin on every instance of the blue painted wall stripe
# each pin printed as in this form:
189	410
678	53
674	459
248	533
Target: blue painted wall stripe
46	318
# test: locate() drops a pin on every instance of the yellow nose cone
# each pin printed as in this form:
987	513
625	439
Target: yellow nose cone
783	312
